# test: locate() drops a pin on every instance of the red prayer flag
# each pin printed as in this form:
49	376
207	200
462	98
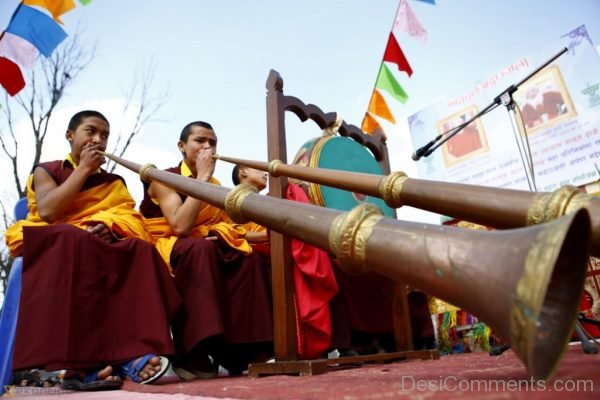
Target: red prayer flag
393	53
11	77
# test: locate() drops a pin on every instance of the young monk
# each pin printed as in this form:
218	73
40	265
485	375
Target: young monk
96	296
257	234
227	310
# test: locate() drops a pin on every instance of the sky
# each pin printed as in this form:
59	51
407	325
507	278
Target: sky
214	58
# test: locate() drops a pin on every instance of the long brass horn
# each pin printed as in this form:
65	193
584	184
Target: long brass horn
525	283
495	207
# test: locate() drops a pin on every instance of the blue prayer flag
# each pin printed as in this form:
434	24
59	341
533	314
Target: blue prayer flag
428	1
37	28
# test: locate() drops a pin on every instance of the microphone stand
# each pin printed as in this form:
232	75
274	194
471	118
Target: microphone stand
506	99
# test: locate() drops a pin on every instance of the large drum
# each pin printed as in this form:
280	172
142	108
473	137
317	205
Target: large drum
340	153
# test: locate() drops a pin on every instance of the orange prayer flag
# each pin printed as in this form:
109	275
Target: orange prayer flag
56	7
370	124
379	107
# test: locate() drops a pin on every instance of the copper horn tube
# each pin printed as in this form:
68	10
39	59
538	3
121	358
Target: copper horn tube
498	208
525	283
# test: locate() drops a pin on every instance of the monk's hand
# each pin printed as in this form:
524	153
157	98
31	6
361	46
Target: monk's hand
205	164
102	232
90	158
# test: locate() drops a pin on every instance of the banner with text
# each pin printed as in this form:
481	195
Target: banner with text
560	107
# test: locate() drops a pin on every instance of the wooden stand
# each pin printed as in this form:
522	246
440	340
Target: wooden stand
281	259
321	366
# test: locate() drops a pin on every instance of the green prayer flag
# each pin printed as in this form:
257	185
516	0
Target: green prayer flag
387	82
85	2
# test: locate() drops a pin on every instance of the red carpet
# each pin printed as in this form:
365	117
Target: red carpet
468	376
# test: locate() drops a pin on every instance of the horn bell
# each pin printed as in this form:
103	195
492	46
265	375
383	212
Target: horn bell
525	283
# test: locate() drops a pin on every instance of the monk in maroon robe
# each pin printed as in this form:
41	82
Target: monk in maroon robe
96	296
227	311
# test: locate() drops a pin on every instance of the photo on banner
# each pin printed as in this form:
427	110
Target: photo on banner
468	142
545	100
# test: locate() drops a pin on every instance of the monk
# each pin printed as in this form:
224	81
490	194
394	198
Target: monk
227	311
256	234
96	296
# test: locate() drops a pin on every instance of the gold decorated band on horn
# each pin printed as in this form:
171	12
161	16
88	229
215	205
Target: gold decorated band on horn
390	188
234	200
272	168
349	235
144	172
548	206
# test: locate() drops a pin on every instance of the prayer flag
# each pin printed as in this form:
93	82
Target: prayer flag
428	1
37	28
393	53
379	107
407	21
387	82
17	49
370	124
85	2
56	7
11	77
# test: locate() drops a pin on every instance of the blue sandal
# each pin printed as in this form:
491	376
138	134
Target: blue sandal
133	368
90	383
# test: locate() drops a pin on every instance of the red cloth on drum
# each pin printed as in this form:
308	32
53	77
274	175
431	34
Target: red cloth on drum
315	285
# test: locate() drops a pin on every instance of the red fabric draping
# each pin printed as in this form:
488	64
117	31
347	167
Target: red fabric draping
315	285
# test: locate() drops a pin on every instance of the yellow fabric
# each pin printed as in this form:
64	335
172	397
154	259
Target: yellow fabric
209	221
186	171
254	227
108	203
56	7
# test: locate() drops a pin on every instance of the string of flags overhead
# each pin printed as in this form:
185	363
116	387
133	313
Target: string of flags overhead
34	28
405	22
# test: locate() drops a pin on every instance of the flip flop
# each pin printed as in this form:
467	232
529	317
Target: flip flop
132	368
90	383
193	375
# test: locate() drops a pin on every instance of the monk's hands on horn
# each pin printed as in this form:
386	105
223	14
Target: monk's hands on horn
205	163
91	157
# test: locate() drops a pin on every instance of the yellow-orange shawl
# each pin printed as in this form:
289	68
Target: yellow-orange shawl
209	221
108	203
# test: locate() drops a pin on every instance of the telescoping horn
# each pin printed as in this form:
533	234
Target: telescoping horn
525	283
495	207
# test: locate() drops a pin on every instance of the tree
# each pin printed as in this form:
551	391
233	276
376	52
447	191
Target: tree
46	86
143	106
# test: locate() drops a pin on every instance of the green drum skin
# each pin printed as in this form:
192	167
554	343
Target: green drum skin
339	153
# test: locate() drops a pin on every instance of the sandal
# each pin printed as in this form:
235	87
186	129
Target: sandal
208	372
90	383
133	368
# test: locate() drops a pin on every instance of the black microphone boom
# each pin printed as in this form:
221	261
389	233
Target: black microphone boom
419	153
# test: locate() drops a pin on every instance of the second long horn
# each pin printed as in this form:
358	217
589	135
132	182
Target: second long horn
495	207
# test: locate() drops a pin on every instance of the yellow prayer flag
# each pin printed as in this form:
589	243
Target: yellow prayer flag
379	107
56	7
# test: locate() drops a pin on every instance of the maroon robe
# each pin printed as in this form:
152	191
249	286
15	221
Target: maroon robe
225	294
86	303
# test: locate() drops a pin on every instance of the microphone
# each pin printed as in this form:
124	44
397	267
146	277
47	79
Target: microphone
416	156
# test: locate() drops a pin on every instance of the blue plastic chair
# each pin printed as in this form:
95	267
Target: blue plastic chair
10	308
